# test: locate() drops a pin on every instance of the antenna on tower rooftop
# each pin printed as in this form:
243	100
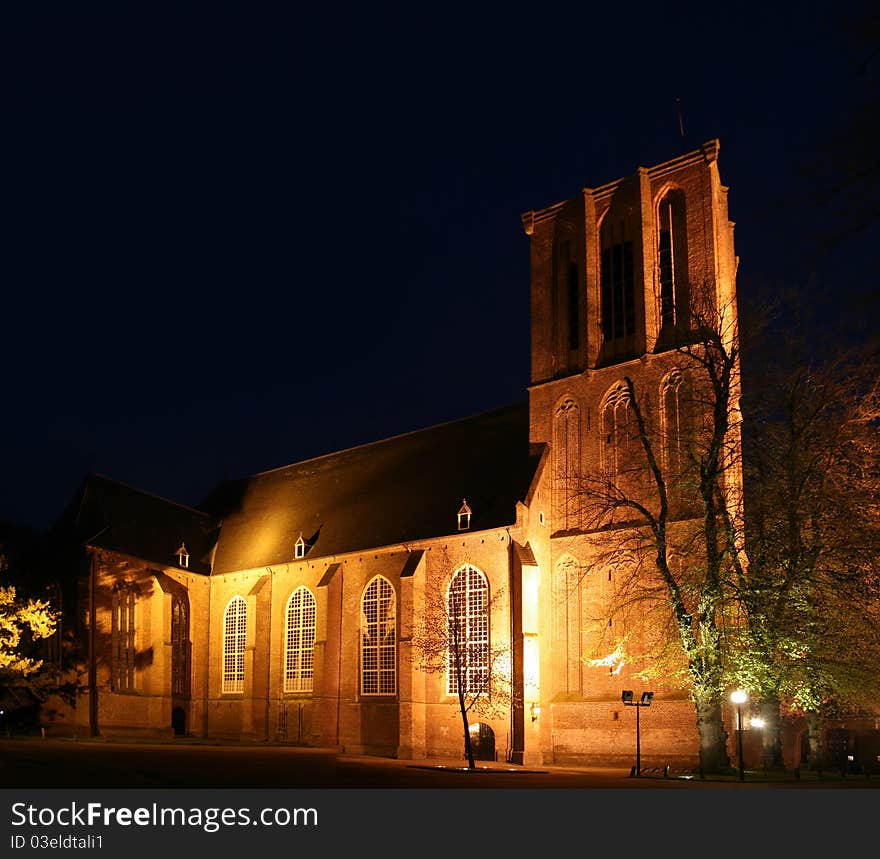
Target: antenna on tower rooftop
680	122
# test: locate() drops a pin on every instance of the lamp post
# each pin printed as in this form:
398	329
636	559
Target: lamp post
627	697
739	698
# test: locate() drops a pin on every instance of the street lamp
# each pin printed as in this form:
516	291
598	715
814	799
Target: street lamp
739	698
627	697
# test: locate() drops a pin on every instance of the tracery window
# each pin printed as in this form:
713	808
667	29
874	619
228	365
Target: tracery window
467	616
676	414
618	290
379	638
122	638
568	589
179	646
299	643
672	260
621	452
566	464
234	642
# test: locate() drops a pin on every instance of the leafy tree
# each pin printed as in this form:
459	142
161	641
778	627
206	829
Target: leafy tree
21	619
22	623
809	593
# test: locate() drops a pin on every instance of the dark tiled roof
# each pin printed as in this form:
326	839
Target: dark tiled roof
393	491
111	515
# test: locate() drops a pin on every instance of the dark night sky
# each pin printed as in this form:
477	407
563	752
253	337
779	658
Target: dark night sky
235	239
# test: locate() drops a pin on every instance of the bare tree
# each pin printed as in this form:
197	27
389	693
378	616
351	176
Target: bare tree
452	637
662	505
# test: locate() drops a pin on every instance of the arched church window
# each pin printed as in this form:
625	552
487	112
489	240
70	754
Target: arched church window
566	463
467	616
378	638
620	454
676	415
618	290
672	260
234	642
122	638
569	587
568	290
299	642
179	646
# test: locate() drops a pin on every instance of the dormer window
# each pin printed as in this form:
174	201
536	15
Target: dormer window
299	548
182	556
464	516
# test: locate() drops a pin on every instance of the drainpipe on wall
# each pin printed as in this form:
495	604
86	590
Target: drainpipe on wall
517	705
206	684
269	651
93	619
339	660
93	668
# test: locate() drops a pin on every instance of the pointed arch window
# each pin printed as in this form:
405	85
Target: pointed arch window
570	620
672	262
622	457
122	637
379	638
568	294
179	646
566	463
618	290
467	616
299	643
234	643
676	416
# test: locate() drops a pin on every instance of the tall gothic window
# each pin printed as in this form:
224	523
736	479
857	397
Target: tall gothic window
568	296
378	639
618	291
122	638
676	421
574	307
179	647
299	643
234	642
570	621
566	464
672	260
622	456
467	616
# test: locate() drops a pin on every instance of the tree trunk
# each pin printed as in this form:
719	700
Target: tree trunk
818	752
713	738
771	740
468	749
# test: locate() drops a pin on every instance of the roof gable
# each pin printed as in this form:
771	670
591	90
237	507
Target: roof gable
405	488
111	515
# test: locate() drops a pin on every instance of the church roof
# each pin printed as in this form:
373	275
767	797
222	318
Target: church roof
393	491
111	515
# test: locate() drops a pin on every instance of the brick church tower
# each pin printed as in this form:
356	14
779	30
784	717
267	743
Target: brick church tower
616	273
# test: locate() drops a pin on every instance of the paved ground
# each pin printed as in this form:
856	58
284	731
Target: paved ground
35	763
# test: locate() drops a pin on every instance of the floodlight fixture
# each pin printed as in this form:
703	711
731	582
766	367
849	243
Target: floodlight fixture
645	701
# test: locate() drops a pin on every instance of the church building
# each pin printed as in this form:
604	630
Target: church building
289	606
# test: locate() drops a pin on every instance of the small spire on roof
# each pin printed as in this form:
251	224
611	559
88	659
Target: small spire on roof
299	548
464	516
182	556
